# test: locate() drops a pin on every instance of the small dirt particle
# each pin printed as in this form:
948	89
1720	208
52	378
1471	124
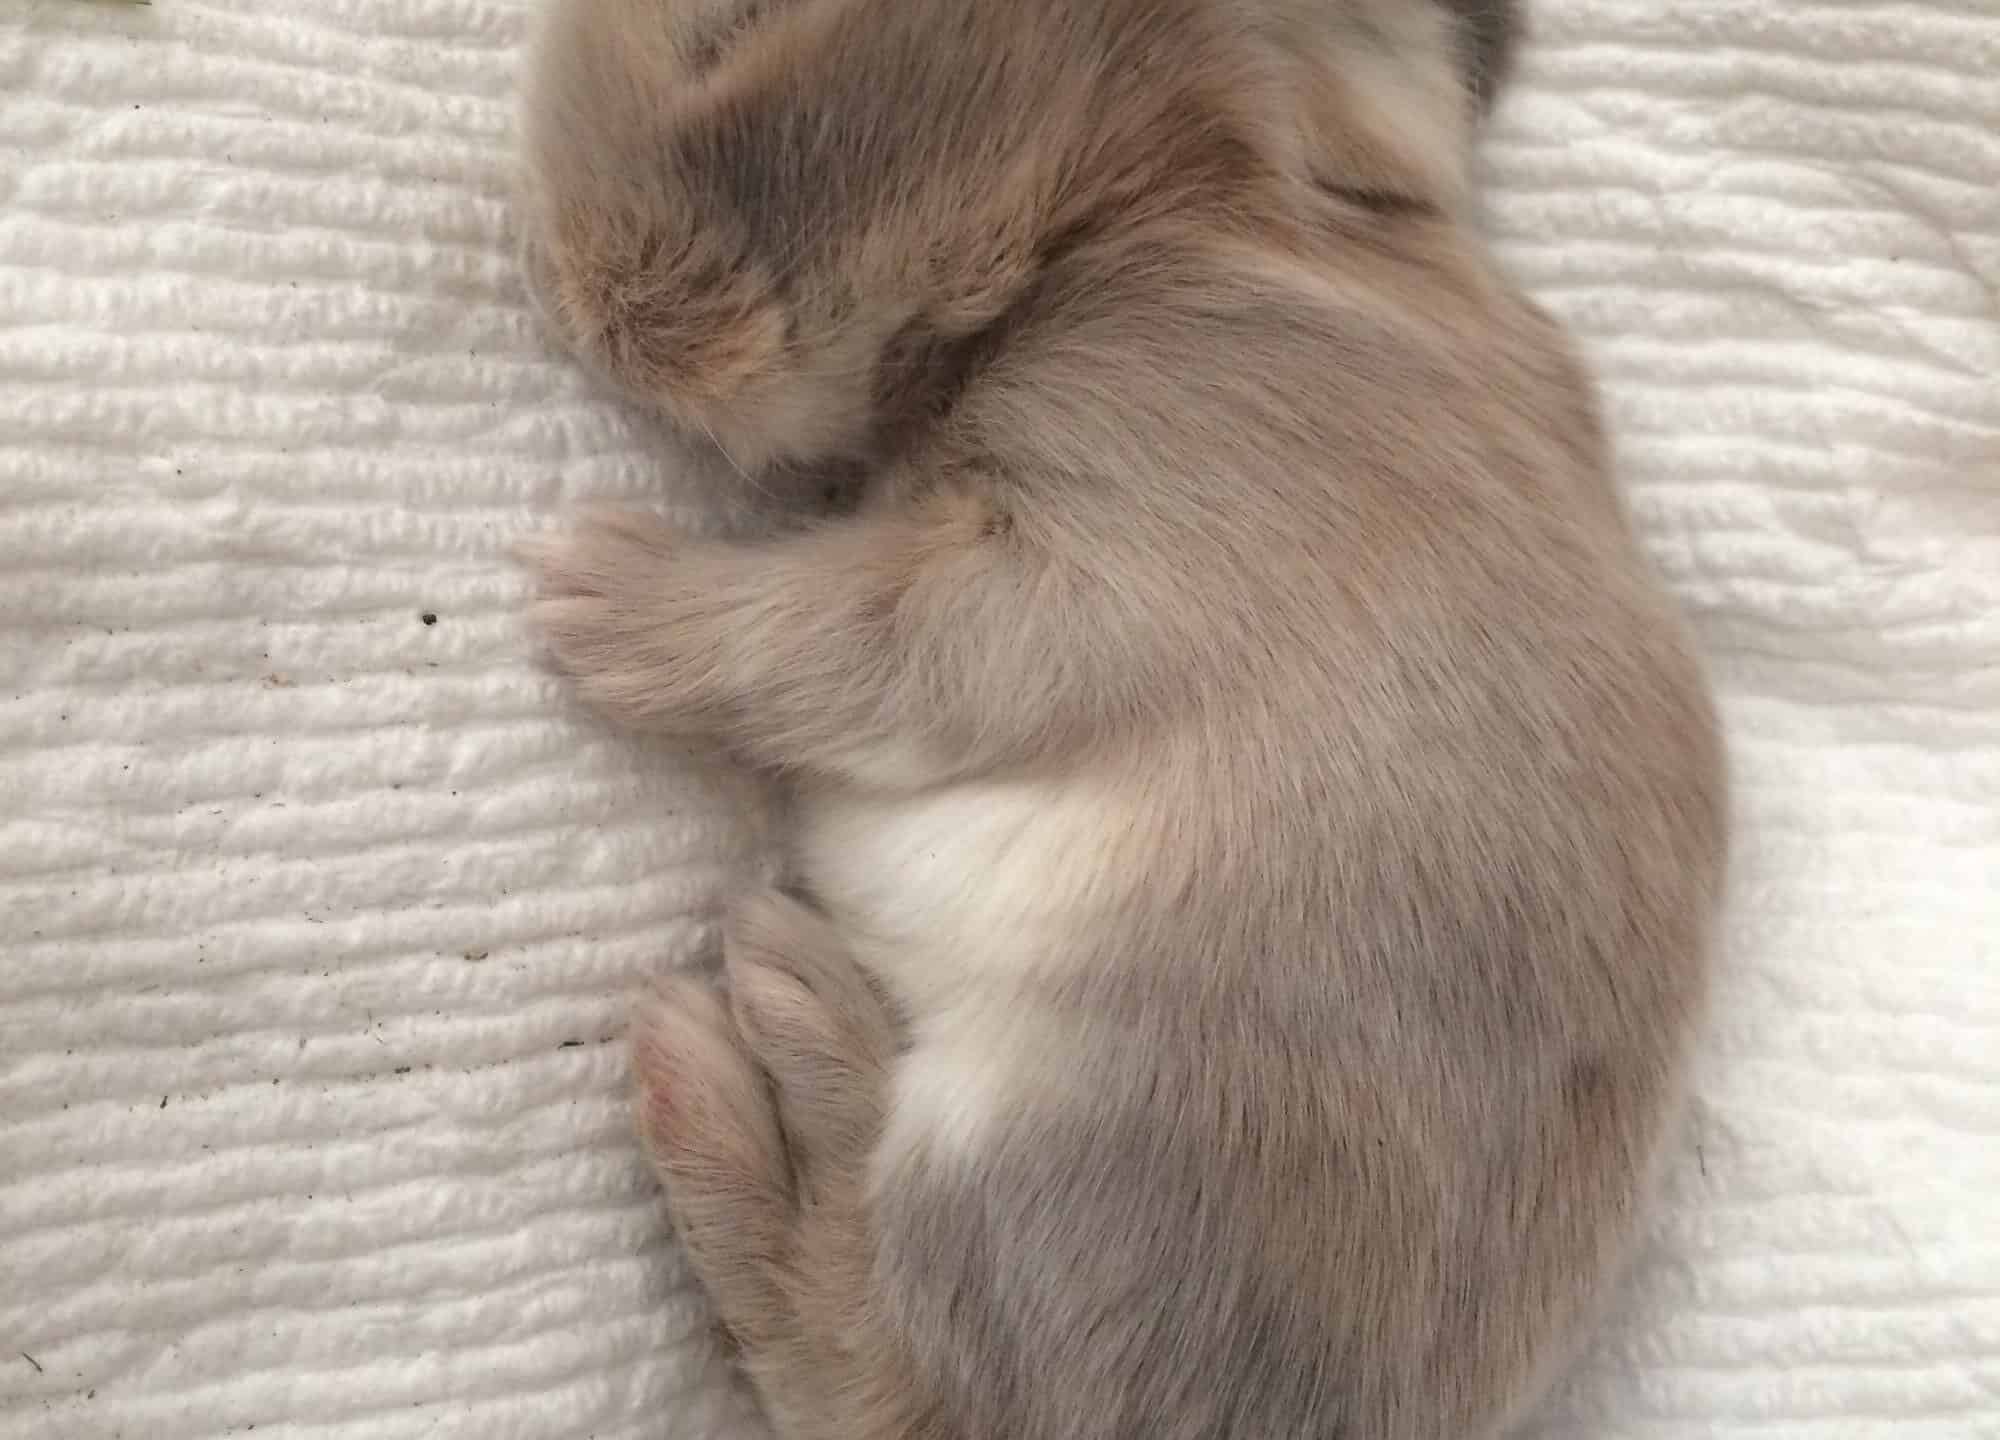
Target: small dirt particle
429	617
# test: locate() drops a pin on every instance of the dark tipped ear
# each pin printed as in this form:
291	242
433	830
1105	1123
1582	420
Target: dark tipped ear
1489	31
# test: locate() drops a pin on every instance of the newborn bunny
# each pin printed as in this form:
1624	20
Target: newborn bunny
1259	822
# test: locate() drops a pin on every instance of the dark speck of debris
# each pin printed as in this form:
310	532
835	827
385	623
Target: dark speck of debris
476	954
1701	1158
163	1102
429	617
403	1069
569	1045
34	1362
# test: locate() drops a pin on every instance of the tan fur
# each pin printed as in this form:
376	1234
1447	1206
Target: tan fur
1259	819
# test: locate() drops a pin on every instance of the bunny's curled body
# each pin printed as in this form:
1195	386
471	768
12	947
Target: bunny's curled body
1259	822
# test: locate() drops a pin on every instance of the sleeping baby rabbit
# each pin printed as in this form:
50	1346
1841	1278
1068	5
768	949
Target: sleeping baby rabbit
1258	822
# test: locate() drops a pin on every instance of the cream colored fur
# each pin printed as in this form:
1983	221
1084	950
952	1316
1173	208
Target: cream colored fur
1259	821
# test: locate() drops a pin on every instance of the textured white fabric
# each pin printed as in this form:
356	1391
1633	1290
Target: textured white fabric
318	917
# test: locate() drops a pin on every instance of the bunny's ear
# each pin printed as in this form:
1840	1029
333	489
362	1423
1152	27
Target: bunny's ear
1489	33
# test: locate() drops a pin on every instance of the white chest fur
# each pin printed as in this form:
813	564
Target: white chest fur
967	886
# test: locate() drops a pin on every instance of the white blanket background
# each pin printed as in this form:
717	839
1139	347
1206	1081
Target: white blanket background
318	915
